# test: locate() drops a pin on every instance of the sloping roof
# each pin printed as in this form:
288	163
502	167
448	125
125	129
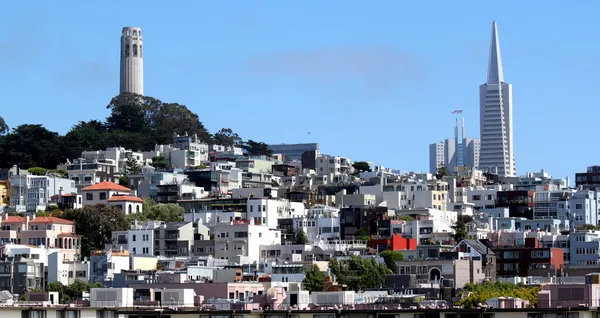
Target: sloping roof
14	219
50	219
130	198
479	247
106	185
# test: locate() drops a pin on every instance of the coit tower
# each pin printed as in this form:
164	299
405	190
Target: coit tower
132	61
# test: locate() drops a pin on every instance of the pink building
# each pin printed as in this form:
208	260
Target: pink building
569	295
46	231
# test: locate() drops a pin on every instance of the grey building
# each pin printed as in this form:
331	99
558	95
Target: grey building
132	61
454	152
496	117
293	151
20	274
173	238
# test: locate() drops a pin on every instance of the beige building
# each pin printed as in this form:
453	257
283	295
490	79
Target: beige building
47	231
449	273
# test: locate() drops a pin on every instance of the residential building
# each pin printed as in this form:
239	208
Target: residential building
434	273
20	274
46	231
105	264
326	164
66	271
138	240
589	179
31	193
184	152
517	261
584	248
240	241
102	192
171	193
320	223
87	171
496	117
452	153
477	250
293	152
167	236
4	194
115	156
126	203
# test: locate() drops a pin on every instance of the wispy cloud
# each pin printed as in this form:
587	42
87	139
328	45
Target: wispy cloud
378	68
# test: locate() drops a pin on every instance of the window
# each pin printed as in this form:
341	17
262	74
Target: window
135	50
68	314
89	196
133	238
102	195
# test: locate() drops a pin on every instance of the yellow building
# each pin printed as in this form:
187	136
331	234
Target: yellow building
4	193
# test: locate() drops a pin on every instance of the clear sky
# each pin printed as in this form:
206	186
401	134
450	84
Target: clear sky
373	80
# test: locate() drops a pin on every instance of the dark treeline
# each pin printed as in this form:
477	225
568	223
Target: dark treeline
135	122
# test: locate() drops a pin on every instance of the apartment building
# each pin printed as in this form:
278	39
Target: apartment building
240	241
31	193
168	235
115	156
326	164
138	240
47	231
184	152
87	171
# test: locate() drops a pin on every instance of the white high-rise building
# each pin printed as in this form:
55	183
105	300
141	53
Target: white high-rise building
132	61
496	117
454	152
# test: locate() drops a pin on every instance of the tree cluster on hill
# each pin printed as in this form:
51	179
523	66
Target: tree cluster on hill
73	291
486	290
158	212
356	273
96	223
136	122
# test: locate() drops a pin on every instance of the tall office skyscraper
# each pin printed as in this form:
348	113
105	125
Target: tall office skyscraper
132	61
454	152
496	117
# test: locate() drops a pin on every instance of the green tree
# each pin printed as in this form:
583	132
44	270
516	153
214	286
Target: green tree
132	166
390	258
442	172
362	235
314	279
96	223
359	273
73	291
3	126
460	227
255	148
37	171
486	290
300	237
32	146
227	137
158	212
160	162
586	227
124	181
362	166
90	135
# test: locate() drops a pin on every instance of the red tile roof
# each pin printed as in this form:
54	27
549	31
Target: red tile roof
117	198
106	186
50	219
14	219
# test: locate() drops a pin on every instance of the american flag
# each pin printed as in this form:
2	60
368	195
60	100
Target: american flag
457	112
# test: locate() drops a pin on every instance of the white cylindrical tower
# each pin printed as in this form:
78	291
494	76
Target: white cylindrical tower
132	61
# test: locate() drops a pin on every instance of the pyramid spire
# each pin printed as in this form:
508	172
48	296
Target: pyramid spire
495	74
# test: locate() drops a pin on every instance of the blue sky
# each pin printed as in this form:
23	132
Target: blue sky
373	80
